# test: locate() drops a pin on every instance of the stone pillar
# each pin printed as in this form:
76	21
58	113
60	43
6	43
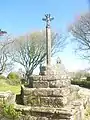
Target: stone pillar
48	38
48	45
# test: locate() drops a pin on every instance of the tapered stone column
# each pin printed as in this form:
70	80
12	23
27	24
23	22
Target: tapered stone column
48	38
48	45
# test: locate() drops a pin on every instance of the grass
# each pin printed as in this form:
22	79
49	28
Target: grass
87	113
5	87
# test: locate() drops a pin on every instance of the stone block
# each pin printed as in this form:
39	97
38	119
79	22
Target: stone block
41	84
60	92
44	78
35	77
8	97
29	117
55	84
66	82
28	91
47	92
44	101
53	101
59	83
49	78
25	99
42	118
46	113
44	92
33	100
52	84
56	102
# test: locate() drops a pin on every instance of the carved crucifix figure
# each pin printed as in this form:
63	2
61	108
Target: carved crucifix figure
48	18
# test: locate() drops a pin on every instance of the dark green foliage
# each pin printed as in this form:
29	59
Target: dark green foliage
84	83
13	75
10	112
88	78
13	79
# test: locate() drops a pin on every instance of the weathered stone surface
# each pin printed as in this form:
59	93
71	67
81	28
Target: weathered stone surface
55	84
35	77
61	91
40	84
44	101
85	96
33	101
49	78
47	113
48	101
46	92
8	97
25	100
70	112
74	88
29	117
53	101
44	77
79	108
57	101
59	83
28	91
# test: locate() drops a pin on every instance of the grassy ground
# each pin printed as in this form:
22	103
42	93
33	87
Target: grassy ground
5	87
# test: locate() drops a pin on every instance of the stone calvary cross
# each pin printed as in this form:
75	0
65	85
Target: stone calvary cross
48	19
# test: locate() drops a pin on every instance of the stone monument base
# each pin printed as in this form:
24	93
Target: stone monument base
70	112
51	98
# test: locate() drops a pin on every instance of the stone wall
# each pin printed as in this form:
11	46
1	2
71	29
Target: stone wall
8	97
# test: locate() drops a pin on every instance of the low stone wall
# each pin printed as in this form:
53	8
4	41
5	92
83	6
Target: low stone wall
8	97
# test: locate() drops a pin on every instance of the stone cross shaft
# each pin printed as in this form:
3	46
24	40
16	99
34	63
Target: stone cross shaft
47	19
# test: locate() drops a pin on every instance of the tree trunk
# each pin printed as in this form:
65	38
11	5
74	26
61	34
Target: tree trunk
29	81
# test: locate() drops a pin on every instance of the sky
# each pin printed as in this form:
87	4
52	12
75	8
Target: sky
18	17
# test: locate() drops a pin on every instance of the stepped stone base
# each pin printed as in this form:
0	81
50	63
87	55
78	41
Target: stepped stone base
51	98
71	112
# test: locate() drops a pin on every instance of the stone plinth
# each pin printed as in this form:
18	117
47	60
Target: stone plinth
52	98
46	113
49	81
71	112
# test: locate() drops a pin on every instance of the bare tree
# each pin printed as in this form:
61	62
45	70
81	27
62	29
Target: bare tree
5	63
30	50
81	33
